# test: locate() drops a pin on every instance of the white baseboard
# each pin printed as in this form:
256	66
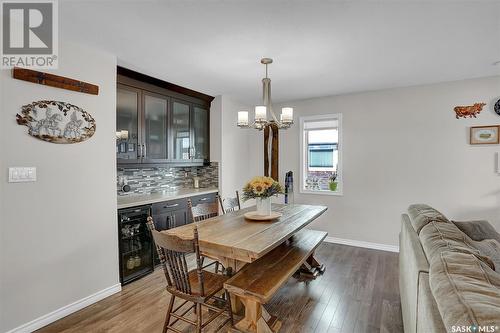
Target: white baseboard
66	310
368	245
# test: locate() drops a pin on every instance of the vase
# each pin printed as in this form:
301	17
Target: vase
264	206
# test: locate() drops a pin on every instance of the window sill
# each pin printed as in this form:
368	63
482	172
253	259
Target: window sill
334	193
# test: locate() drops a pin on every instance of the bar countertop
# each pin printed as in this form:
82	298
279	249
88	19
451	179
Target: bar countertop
132	200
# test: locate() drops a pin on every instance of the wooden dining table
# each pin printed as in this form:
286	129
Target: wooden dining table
235	241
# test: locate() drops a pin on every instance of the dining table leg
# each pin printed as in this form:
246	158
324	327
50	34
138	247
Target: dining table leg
257	319
232	266
310	269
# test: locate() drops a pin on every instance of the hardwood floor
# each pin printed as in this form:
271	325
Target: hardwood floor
358	293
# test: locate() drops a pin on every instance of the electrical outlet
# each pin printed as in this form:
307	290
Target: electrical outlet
22	174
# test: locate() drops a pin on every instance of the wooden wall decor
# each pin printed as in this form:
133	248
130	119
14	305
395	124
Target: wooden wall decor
57	122
468	111
271	169
53	80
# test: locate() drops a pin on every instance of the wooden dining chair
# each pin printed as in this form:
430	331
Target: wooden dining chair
202	212
197	285
229	205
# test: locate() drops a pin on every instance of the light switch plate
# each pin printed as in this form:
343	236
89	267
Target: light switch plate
22	174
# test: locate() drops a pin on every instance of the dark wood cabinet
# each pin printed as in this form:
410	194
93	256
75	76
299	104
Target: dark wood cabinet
155	128
174	213
205	198
200	132
160	123
128	125
170	214
180	125
141	126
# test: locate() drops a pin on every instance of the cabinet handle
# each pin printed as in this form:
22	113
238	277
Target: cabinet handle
145	151
204	199
139	151
171	206
173	221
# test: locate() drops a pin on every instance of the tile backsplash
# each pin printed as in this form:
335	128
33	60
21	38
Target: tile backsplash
158	179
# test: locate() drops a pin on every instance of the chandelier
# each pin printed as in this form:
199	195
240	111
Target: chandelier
260	120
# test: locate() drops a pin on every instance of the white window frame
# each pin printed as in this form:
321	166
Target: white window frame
303	152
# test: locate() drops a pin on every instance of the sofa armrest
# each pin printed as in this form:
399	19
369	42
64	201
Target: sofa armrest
478	230
412	263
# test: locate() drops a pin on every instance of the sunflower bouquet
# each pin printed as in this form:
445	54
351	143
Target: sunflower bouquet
261	187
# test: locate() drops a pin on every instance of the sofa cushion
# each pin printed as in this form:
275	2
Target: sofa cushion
422	214
437	237
478	230
466	290
491	249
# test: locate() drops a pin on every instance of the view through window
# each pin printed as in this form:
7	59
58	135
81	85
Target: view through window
320	154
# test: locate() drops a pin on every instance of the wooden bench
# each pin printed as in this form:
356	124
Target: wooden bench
257	282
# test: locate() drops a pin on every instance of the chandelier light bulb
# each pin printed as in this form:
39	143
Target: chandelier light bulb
242	118
287	115
260	113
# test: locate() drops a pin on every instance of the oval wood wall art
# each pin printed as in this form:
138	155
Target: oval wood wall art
468	111
57	122
497	107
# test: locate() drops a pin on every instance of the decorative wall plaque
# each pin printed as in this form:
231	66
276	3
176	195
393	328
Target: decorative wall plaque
57	122
468	111
480	135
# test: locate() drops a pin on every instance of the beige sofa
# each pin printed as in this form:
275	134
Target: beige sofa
449	273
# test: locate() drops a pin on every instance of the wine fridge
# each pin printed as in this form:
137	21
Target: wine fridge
136	244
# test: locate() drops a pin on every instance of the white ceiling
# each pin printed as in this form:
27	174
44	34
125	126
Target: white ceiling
319	47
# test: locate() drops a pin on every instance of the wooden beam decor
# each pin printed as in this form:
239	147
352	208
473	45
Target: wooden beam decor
271	169
266	151
274	153
53	80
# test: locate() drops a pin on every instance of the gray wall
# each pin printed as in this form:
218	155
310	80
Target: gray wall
403	146
238	151
58	235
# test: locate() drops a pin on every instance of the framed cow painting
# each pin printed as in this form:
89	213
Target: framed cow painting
481	135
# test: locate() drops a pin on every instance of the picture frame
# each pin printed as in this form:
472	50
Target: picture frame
485	135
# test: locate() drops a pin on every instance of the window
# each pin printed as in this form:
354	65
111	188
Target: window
320	164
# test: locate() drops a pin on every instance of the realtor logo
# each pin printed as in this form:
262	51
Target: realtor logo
29	34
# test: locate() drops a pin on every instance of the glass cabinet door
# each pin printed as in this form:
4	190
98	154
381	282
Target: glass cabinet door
200	133
127	124
155	126
181	138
